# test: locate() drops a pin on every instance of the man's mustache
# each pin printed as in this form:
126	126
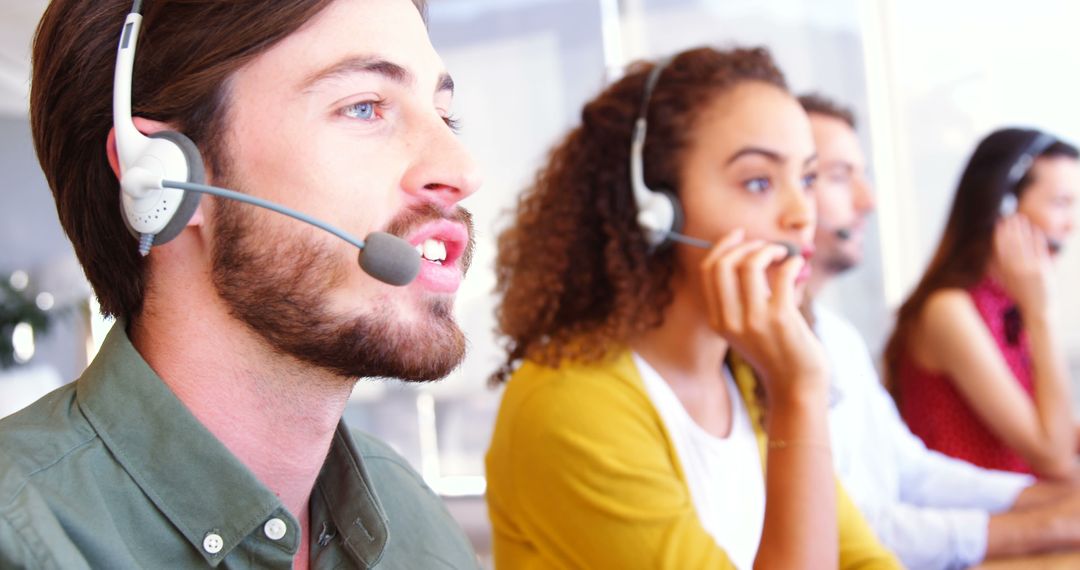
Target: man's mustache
414	217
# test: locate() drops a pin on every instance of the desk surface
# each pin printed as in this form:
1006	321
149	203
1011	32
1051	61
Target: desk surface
1056	561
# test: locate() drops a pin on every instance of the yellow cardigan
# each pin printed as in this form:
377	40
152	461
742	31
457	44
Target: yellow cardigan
583	474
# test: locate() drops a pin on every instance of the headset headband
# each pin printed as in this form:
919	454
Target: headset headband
1038	145
1033	150
659	215
637	142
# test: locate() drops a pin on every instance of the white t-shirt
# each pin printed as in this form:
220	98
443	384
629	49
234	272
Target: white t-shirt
930	509
724	474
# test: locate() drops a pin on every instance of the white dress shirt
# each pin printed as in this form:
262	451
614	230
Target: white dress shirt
932	510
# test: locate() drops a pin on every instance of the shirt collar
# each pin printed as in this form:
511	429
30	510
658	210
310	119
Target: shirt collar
192	477
353	508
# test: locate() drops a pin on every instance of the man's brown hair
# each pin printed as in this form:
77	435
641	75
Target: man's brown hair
576	275
817	103
188	50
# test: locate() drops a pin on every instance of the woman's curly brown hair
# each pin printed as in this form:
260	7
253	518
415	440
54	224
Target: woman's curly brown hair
576	275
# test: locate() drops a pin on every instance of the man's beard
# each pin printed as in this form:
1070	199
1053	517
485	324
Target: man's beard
836	256
280	287
838	262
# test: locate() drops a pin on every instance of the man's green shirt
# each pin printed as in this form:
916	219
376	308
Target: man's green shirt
114	472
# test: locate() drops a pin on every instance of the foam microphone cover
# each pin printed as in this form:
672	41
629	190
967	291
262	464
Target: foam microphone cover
389	259
792	249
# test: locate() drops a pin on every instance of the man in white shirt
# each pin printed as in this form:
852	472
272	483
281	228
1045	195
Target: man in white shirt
931	510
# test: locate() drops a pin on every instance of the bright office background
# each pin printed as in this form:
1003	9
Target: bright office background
927	79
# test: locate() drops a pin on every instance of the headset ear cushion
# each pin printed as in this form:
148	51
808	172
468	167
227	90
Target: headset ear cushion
1008	205
196	175
678	220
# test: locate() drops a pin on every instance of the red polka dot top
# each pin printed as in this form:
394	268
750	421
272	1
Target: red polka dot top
936	412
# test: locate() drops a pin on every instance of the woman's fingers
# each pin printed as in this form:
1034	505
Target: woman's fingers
732	310
1036	241
1025	237
1019	242
729	241
783	285
756	289
999	238
711	276
737	284
1009	240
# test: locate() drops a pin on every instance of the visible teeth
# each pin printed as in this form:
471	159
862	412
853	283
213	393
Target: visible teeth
433	250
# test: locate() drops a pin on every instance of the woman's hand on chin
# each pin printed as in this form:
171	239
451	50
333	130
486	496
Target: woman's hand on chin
749	288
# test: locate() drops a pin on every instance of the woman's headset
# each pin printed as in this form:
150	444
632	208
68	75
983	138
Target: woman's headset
660	213
1038	145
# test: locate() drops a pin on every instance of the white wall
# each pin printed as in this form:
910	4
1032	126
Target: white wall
954	71
18	20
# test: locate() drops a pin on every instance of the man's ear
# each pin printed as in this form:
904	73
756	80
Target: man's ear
110	151
146	127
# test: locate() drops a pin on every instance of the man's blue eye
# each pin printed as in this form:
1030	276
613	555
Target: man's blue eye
810	180
364	110
757	185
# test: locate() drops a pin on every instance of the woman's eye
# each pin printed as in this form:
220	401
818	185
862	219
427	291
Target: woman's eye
364	110
757	185
810	180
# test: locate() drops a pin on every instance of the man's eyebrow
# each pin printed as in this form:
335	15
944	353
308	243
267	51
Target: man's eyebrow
841	164
366	64
358	64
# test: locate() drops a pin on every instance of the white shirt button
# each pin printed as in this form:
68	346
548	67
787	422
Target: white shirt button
213	543
275	529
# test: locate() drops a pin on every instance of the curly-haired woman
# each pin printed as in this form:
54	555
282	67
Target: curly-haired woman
623	439
975	360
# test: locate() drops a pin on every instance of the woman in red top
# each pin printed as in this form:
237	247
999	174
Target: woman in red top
974	361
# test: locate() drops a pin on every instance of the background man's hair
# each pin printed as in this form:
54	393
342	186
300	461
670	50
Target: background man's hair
822	105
